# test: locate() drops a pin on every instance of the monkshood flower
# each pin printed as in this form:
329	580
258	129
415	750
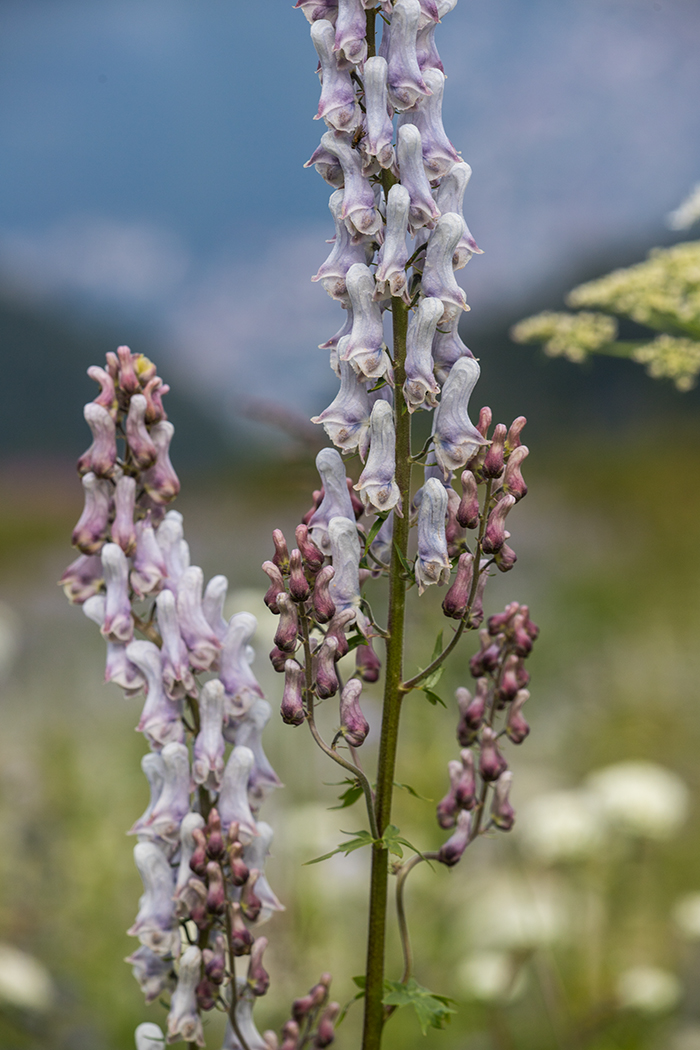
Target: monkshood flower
173	547
377	485
447	348
346	420
160	720
178	679
336	500
423	210
451	852
82	579
190	823
438	274
421	386
101	457
241	686
209	747
350	32
174	798
255	855
315	9
345	557
155	976
118	625
449	198
455	437
141	445
123	529
432	562
244	1020
426	51
390	275
155	925
92	529
247	732
353	723
380	130
346	251
502	813
160	481
404	79
202	643
233	802
359	209
364	347
337	105
149	568
154	771
213	605
439	155
328	167
118	668
184	1021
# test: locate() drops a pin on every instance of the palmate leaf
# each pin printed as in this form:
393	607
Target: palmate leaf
360	839
351	794
432	1011
393	840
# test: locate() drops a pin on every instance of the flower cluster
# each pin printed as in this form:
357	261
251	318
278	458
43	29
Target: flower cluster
200	848
573	336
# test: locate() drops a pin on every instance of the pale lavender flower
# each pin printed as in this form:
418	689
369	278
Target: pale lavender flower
346	420
346	251
149	569
244	1020
432	562
184	1022
160	481
154	770
213	605
438	275
380	130
190	823
118	668
160	719
174	799
174	548
123	531
427	53
328	166
350	31
354	724
336	498
502	813
201	641
154	976
421	387
325	677
107	396
155	925
404	80
364	347
292	707
239	682
101	457
93	525
358	201
337	105
315	9
82	579
141	446
233	798
345	557
377	485
448	348
451	851
176	673
455	437
449	198
209	747
247	732
439	155
255	854
423	210
118	625
393	255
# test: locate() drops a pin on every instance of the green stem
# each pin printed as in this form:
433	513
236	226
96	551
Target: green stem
374	984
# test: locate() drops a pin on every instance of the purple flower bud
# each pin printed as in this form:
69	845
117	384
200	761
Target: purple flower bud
191	822
358	198
258	977
160	720
141	447
346	251
377	485
160	481
241	937
485	420
174	798
449	199
123	531
448	348
464	784
438	275
345	554
328	167
404	80
346	420
155	925
153	391
496	535
312	556
255	855
107	397
324	606
251	905
128	380
101	457
276	586
336	498
208	765
476	615
233	797
325	677
439	155
337	628
508	684
516	726
455	437
505	558
451	851
281	555
82	579
393	254
421	386
513	438
454	533
154	976
278	659
215	960
503	621
337	105
432	562
93	525
241	685
149	569
380	130
502	813
353	723
248	733
488	657
350	33
184	1021
290	1034
494	461
299	589
216	894
468	512
363	348
315	9
513	482
287	634
118	625
198	859
367	664
491	761
177	676
472	710
213	605
455	601
325	1033
423	210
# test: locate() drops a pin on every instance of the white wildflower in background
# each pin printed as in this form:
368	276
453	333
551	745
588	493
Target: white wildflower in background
687	213
512	914
562	826
491	977
573	336
648	989
24	981
686	916
641	798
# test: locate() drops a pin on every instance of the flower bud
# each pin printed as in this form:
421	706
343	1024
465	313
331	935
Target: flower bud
198	860
337	628
325	1033
354	724
278	659
281	555
286	636
472	710
216	896
292	709
160	481
154	390
82	579
101	457
128	380
476	615
239	869
455	534
495	535
513	438
485	420
258	977
491	761
123	531
521	638
313	558
494	461
215	960
531	628
93	525
215	840
448	807
367	664
468	512
301	1008
455	601
487	659
290	1036
465	786
505	558
141	448
516	726
325	677
502	813
251	905
451	851
107	397
207	994
324	606
513	482
241	937
508	683
299	589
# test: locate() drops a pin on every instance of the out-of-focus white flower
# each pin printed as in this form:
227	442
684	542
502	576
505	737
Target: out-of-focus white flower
687	213
562	825
641	798
512	914
686	915
491	976
648	989
24	981
688	1038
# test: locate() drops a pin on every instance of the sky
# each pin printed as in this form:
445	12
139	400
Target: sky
153	164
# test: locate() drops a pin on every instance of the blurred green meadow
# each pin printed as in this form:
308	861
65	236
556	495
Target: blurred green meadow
577	930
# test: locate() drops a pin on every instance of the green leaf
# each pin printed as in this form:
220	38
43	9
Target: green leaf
412	791
381	518
404	564
350	796
354	640
432	1011
438	647
360	839
343	1013
432	679
360	981
433	698
393	840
